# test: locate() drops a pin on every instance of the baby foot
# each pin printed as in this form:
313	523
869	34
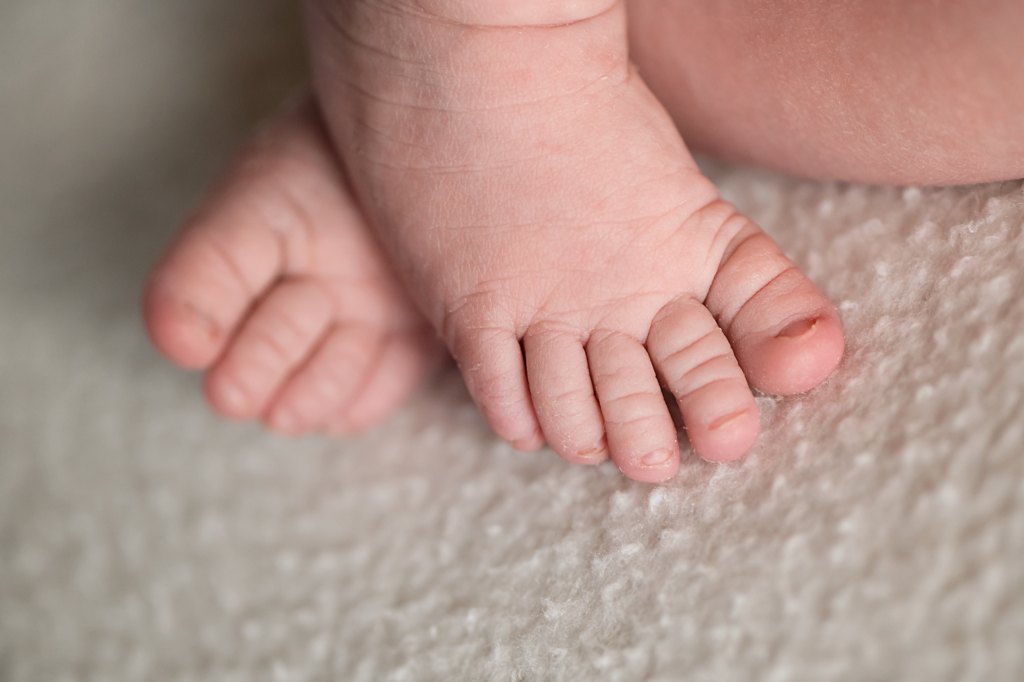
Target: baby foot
550	222
278	288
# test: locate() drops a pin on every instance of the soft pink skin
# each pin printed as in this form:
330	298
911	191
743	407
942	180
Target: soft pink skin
540	204
907	92
544	211
277	287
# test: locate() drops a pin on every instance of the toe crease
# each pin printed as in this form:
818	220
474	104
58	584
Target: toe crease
701	387
690	346
728	323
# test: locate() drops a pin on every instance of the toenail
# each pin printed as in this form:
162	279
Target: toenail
727	420
339	429
284	421
529	444
200	322
656	458
594	455
798	329
234	398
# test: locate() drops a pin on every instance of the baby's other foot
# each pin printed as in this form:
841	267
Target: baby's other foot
277	287
554	228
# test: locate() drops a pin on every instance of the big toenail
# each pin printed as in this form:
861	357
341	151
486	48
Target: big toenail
728	419
200	322
798	329
656	458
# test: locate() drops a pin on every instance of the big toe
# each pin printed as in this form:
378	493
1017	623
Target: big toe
232	250
785	334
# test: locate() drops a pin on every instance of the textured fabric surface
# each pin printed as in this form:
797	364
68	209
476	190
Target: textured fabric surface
876	532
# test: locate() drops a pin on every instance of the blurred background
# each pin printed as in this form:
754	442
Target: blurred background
876	532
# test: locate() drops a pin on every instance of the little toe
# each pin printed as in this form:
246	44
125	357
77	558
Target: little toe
641	437
325	385
281	331
695	362
786	335
491	362
563	396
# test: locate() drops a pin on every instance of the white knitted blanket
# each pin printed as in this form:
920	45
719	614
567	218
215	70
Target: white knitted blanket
876	532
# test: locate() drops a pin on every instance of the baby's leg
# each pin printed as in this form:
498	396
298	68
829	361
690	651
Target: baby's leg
277	286
549	220
865	90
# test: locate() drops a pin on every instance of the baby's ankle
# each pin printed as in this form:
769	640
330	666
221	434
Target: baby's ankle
428	61
516	12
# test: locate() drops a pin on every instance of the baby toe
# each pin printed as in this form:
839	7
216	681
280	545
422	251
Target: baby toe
276	337
325	385
641	437
202	287
695	362
491	362
405	361
563	396
234	247
786	335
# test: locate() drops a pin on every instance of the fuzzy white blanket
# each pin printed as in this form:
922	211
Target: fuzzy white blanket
876	532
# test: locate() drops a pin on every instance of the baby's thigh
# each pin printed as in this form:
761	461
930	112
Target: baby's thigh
864	90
